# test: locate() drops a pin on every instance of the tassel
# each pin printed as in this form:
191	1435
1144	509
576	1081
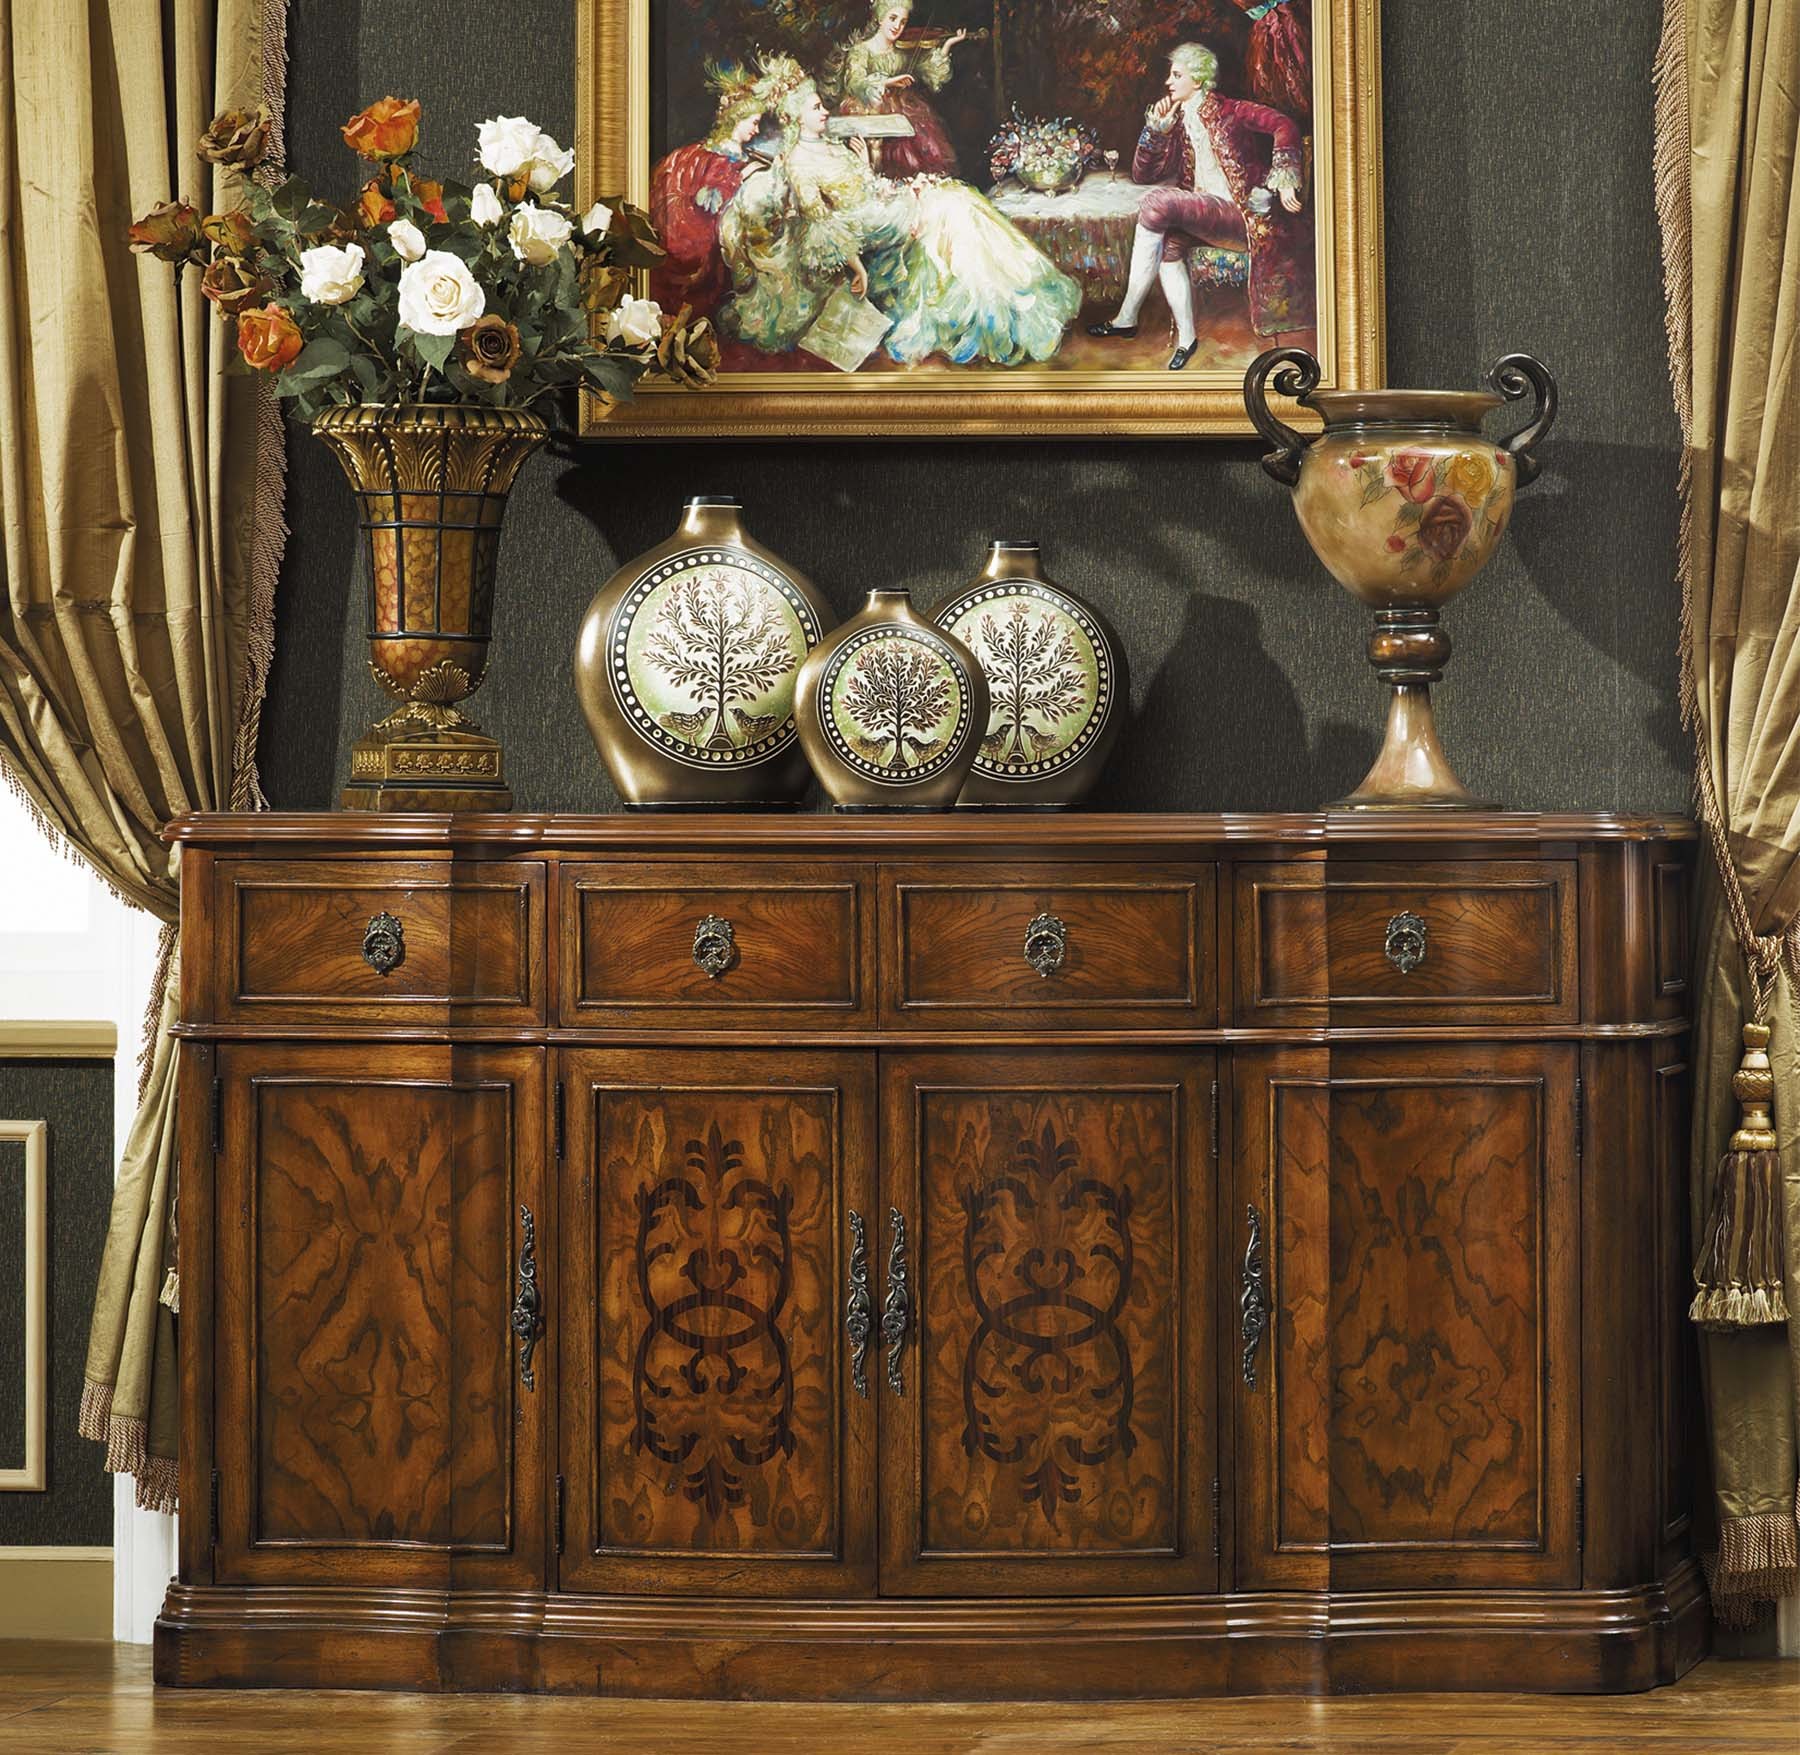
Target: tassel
1739	1272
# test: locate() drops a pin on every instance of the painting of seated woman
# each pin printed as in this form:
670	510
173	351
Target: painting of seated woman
1014	198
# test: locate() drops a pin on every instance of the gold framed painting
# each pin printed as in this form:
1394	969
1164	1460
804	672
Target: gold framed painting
999	217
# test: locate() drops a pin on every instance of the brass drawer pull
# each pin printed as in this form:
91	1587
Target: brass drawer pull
1405	945
896	1308
384	944
1253	1297
715	945
859	1312
528	1306
1046	944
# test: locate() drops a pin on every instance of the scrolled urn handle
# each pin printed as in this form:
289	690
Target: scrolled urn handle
1046	944
1295	372
715	945
384	944
1515	377
1405	942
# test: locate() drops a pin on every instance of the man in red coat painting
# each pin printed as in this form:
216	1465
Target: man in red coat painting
1226	173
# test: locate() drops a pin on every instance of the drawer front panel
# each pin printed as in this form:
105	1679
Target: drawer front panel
1490	941
1106	947
302	944
674	945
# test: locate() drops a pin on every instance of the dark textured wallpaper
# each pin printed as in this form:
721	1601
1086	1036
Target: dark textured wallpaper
75	1097
1519	215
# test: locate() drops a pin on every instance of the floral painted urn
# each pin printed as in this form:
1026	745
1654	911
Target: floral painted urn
1404	500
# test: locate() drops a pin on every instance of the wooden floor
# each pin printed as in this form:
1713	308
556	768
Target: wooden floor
60	1699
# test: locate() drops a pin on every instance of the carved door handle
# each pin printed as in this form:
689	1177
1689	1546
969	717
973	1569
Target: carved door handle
896	1308
1046	944
859	1310
1253	1297
1405	944
384	944
528	1306
715	945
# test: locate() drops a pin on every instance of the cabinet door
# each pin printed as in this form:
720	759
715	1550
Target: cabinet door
1412	1416
717	1425
376	1420
1047	1423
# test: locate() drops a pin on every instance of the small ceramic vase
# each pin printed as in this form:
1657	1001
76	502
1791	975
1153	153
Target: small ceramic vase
891	710
686	667
1056	683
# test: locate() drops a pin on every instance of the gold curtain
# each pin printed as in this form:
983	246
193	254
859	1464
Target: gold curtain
136	626
1728	120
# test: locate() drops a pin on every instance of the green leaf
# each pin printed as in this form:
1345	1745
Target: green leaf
609	373
290	200
319	216
434	350
1408	515
1372	491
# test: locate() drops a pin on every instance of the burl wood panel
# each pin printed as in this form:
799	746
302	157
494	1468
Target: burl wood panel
1139	947
1059	1264
714	1232
800	935
473	942
1499	942
369	1395
1454	1319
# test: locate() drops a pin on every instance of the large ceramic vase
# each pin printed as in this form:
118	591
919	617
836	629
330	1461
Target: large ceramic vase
685	668
431	482
1056	682
1404	501
891	710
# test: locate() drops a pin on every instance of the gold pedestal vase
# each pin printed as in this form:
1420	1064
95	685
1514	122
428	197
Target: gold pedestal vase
1404	501
431	481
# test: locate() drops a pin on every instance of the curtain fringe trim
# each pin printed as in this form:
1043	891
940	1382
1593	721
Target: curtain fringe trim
1738	1307
127	1449
1757	1563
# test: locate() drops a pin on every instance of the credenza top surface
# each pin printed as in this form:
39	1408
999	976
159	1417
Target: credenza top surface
824	832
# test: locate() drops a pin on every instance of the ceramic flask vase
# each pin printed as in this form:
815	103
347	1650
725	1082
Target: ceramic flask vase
431	480
1056	682
891	710
686	665
1404	501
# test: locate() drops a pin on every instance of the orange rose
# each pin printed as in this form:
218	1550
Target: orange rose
268	339
235	137
233	233
430	196
388	128
373	207
231	283
170	231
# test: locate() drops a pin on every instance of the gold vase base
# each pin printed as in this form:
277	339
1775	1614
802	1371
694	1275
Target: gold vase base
402	765
1411	772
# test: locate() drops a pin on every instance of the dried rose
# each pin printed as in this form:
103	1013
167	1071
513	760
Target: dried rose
602	287
235	137
269	338
688	352
1411	472
373	207
232	283
170	231
1444	526
489	348
387	129
233	233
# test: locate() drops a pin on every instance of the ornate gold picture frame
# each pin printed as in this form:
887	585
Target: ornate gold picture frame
821	207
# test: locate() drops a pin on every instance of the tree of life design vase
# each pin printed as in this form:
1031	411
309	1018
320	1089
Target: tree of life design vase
1404	501
891	710
1057	687
431	480
686	664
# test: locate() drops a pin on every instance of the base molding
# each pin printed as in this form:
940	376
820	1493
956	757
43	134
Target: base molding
56	1593
884	1649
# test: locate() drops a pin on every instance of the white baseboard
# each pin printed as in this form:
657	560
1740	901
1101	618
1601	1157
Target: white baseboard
56	1593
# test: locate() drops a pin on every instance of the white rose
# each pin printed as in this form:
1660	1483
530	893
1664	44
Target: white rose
637	323
550	163
407	239
484	205
597	219
508	145
537	234
330	275
438	295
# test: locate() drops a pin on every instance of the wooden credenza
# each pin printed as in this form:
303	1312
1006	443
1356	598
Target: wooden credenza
940	1256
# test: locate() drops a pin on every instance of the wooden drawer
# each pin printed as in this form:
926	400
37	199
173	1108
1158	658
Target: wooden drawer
795	940
1137	950
1496	943
292	936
